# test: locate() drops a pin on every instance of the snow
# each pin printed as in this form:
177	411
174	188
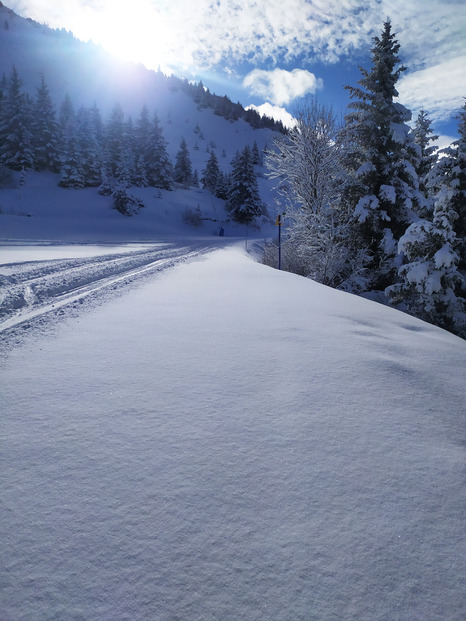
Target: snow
388	193
189	434
445	257
222	440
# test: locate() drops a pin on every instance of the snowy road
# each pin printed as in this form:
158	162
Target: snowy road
32	288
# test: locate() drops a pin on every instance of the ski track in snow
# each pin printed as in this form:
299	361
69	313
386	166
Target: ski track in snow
31	289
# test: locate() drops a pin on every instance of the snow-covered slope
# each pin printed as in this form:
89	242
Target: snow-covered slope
89	75
40	210
227	441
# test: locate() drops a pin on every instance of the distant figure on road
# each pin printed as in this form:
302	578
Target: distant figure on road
221	233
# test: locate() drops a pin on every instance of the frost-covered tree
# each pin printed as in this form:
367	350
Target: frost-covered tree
16	149
211	173
45	130
244	202
183	170
307	166
384	189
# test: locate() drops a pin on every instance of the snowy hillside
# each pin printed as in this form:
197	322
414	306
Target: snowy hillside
90	76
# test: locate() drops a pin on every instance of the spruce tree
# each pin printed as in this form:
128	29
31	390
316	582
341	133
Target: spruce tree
183	169
16	149
114	139
45	131
159	170
244	202
211	173
89	147
423	135
431	281
384	190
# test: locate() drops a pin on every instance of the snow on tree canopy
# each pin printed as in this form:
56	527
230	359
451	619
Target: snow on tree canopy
399	132
388	193
362	208
445	257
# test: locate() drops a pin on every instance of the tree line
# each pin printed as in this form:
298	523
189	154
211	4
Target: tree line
372	207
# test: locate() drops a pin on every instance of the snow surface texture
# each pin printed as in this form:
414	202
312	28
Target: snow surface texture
226	441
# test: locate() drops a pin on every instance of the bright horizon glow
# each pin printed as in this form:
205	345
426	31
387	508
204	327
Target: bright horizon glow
139	34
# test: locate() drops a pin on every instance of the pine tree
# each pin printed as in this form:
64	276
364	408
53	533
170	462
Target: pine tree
183	169
256	156
384	190
159	169
114	139
16	149
89	148
45	131
71	173
423	135
66	119
211	173
450	172
244	202
431	282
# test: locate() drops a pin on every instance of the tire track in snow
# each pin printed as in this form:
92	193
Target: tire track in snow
33	289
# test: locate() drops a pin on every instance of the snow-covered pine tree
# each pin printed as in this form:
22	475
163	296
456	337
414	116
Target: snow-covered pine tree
66	119
141	147
256	156
16	149
211	173
159	169
89	147
71	174
423	136
450	172
244	202
431	281
183	169
114	139
384	190
45	131
223	186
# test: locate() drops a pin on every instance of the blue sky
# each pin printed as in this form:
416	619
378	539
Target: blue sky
269	53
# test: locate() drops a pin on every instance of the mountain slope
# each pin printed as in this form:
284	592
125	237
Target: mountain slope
91	76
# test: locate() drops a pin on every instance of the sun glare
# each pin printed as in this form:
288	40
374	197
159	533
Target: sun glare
133	31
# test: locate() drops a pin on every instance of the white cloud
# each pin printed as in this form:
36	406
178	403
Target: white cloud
439	89
280	86
275	112
199	35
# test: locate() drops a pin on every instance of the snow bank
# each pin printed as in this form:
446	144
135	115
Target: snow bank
232	442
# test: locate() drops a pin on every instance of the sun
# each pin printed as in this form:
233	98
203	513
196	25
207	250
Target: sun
133	31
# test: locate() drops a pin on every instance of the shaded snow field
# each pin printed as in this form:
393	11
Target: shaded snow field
224	441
